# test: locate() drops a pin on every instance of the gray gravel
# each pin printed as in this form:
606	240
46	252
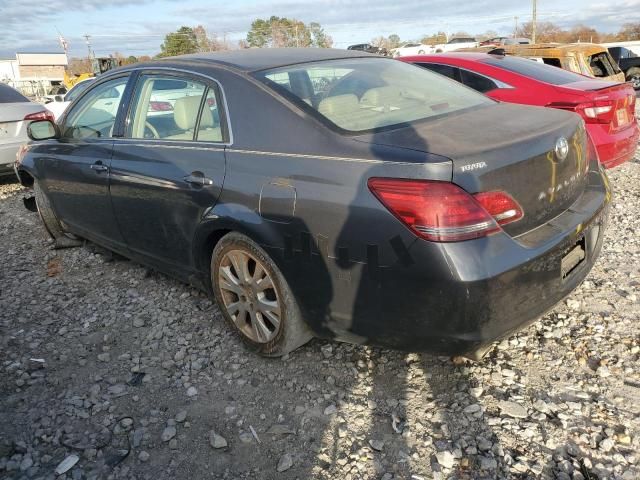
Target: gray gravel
138	376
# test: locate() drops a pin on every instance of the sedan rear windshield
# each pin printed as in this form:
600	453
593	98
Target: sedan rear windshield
365	94
536	70
9	95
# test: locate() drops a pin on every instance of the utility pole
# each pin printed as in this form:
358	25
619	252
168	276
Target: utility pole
533	22
87	37
515	30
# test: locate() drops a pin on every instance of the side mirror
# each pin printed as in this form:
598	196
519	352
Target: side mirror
42	130
59	98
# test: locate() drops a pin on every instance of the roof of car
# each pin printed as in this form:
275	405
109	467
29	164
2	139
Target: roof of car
253	59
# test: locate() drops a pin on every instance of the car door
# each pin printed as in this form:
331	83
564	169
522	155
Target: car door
77	164
168	169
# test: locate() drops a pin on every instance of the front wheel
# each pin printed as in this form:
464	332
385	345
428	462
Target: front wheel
51	223
633	76
255	298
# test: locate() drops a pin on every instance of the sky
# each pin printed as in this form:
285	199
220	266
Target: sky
137	27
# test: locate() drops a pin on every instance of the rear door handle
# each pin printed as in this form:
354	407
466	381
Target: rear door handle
98	167
197	178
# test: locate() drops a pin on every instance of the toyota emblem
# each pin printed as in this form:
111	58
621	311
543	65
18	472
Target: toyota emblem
562	148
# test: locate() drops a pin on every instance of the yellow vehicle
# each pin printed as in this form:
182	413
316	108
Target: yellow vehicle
98	65
586	58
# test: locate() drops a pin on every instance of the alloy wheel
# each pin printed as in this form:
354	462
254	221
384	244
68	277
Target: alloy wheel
250	296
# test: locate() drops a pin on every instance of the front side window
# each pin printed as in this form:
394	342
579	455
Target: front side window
371	93
95	115
76	90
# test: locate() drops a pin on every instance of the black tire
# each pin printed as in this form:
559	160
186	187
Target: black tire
633	75
292	331
50	221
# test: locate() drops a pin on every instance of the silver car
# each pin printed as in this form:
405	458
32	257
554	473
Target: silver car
16	112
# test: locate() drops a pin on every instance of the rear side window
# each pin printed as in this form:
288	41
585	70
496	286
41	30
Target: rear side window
479	83
446	70
172	108
366	94
536	70
9	95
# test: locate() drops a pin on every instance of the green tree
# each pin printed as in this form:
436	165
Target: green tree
393	40
181	42
286	32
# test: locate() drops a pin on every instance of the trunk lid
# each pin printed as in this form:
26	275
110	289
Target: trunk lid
12	124
511	148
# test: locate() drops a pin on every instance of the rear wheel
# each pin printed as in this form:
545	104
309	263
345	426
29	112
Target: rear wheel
633	76
51	222
255	298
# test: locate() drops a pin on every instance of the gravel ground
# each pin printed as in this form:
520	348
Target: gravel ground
137	376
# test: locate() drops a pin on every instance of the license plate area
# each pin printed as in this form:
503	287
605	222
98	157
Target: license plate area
574	258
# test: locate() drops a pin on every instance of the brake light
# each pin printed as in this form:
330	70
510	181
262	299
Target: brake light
160	106
43	115
500	206
443	212
600	111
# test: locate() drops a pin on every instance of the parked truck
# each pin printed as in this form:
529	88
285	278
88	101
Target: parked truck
629	63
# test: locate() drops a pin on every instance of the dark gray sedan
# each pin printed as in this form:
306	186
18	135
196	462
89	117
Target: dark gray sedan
329	193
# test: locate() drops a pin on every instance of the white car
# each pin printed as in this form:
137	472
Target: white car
61	102
16	113
411	49
455	44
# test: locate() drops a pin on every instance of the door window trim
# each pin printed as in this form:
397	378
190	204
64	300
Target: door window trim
223	113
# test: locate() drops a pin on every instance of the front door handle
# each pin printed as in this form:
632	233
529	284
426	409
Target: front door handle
99	167
198	178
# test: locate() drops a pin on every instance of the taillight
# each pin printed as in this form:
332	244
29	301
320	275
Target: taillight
592	112
160	106
500	206
43	115
443	212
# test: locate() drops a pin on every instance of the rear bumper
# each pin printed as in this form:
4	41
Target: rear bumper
458	298
614	148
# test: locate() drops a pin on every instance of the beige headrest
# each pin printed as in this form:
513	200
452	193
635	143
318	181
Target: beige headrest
185	113
338	105
379	96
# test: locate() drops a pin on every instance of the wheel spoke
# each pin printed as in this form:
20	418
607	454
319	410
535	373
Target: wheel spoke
265	305
240	263
264	284
241	317
229	282
273	319
259	327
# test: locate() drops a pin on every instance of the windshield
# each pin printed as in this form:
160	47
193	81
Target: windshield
536	70
363	94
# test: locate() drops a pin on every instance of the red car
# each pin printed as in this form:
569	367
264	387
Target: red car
608	108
